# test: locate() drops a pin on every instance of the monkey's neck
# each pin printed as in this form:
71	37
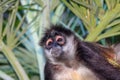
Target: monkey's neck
70	64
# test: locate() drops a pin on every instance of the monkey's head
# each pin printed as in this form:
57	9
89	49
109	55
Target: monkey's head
59	44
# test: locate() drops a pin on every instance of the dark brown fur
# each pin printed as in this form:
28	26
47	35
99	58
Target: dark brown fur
93	57
90	55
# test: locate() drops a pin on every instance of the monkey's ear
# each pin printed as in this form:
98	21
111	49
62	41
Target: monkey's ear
42	41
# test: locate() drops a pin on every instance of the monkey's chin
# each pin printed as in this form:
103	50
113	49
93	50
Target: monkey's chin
57	54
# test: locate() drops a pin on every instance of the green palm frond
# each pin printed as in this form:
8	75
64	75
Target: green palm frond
96	18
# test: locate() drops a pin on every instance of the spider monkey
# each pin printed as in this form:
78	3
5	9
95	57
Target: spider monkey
69	58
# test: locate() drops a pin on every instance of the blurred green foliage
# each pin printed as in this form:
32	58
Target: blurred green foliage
22	23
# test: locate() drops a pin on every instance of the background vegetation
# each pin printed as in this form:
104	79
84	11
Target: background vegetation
22	23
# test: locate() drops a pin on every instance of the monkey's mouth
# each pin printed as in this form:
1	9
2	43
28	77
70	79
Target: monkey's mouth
56	52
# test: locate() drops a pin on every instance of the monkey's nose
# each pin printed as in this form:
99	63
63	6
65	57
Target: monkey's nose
56	51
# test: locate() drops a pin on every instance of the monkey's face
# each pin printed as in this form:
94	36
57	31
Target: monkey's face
59	46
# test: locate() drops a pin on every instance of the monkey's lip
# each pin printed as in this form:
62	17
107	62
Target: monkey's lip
56	52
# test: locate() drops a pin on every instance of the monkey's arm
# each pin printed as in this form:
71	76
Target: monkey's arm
92	57
48	71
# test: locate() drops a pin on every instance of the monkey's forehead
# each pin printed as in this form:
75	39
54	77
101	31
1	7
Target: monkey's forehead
55	29
58	28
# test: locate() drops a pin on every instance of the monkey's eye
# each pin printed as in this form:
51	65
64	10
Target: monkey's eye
60	40
49	43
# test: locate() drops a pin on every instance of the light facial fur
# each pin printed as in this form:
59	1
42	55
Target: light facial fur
68	50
